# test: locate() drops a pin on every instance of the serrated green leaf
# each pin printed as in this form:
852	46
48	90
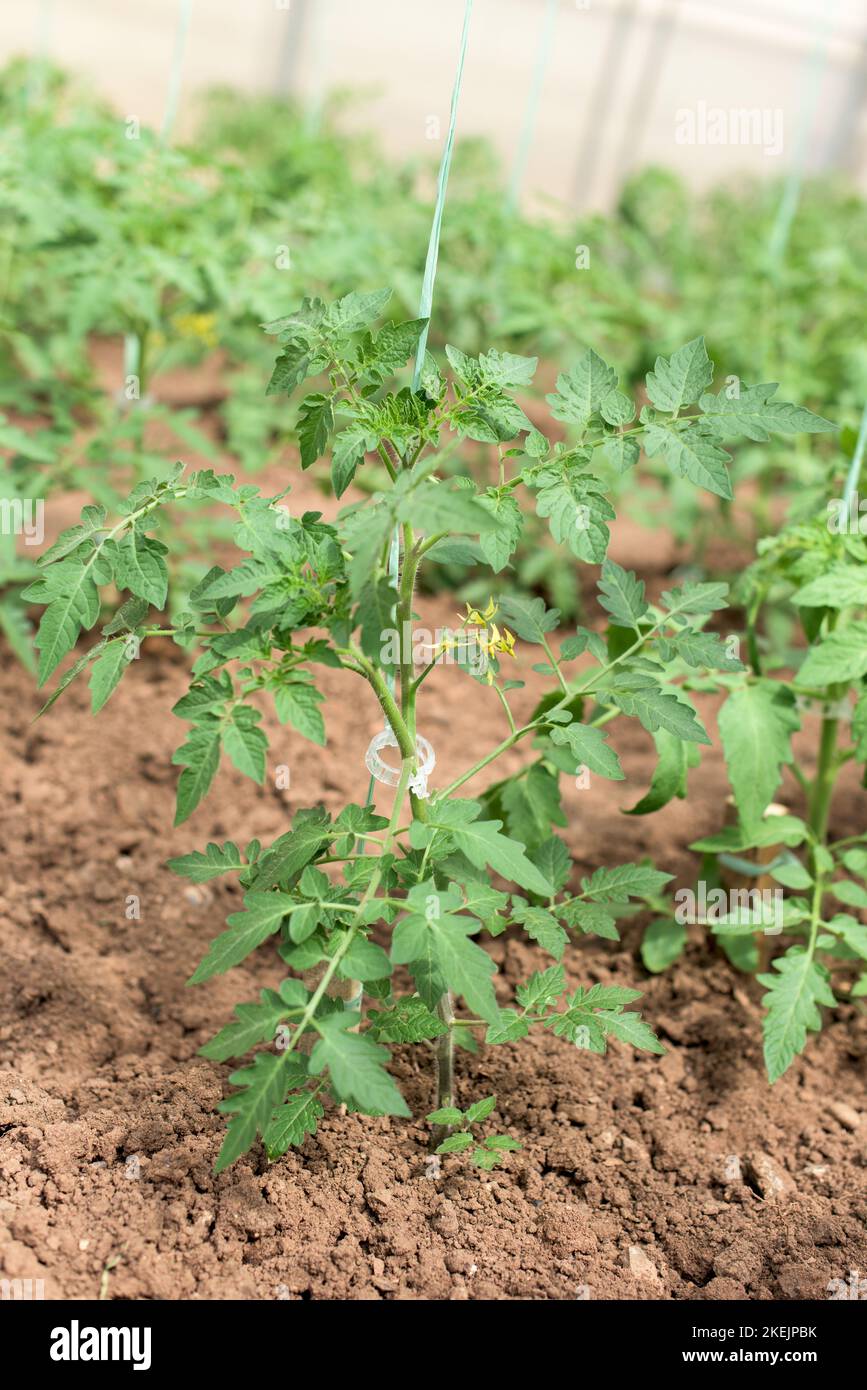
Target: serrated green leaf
621	593
292	1123
262	916
590	749
106	672
756	724
356	1066
795	991
679	380
581	391
752	413
841	656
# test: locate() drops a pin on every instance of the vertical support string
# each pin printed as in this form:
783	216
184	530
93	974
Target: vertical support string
173	96
854	475
427	288
816	64
531	111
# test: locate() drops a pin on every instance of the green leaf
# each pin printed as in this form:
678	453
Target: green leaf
246	744
347	452
663	943
795	991
256	1023
200	757
69	676
622	594
850	931
581	391
843	586
76	607
624	881
630	1028
531	805
92	523
128	617
433	506
456	1143
356	309
290	368
263	1086
500	543
298	704
542	988
216	860
434	938
554	862
315	422
140	567
695	598
852	894
311	830
669	775
528	617
356	1066
699	649
590	918
480	1110
409	1021
106	672
691	454
376	614
589	749
483	845
509	1027
575	504
642	697
261	918
292	1123
449	1115
756	724
841	656
617	408
365	961
541	926
679	380
753	413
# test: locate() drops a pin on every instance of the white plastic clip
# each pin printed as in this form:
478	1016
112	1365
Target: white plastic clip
383	772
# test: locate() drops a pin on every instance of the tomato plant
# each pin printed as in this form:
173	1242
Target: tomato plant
334	892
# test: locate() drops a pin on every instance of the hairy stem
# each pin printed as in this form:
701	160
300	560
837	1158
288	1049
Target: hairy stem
445	1053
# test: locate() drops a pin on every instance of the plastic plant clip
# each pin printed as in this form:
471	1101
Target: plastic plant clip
390	776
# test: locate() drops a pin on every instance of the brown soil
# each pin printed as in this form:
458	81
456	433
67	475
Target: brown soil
641	1177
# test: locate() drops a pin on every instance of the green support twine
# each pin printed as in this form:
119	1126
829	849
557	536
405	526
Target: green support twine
427	288
854	474
174	93
425	305
531	112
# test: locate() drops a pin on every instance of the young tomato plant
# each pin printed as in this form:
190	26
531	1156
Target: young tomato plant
329	890
817	569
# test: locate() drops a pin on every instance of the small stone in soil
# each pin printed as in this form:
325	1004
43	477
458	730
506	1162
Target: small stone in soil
845	1114
640	1267
761	1172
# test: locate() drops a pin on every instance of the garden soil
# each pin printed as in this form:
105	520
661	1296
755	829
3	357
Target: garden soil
681	1176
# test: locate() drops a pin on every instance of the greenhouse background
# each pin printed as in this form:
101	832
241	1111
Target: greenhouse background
604	84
